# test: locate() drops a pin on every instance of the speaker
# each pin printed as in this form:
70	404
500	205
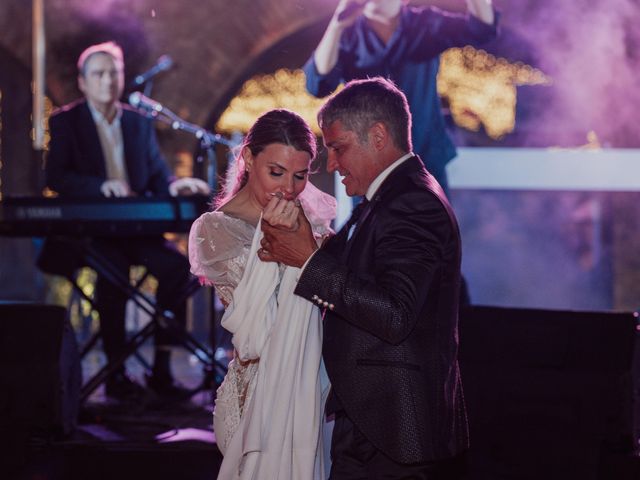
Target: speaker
549	394
40	373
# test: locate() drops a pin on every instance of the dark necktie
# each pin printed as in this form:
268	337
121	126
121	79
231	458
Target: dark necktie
350	226
341	238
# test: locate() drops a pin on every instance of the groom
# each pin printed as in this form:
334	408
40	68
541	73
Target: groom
389	284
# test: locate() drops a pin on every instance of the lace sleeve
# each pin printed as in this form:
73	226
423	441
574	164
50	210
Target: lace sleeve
218	249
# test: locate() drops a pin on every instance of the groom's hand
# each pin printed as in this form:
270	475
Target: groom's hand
291	247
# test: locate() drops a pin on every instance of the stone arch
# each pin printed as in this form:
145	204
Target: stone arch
216	44
289	52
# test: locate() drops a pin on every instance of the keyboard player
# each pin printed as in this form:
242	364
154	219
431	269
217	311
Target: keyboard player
101	147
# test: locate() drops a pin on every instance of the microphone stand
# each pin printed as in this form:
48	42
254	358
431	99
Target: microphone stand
148	86
208	141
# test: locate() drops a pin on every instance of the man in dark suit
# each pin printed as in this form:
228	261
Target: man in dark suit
389	283
100	147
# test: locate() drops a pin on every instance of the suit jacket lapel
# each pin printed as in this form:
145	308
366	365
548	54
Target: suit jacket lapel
363	217
405	168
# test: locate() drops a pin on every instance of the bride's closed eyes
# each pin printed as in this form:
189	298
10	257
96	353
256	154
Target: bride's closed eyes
277	169
299	176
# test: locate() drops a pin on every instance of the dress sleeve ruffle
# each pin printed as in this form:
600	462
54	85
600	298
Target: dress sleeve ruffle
218	249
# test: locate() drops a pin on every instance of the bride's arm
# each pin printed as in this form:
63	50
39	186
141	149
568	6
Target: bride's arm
217	252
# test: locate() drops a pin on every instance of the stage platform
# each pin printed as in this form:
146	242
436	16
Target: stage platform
124	441
549	396
111	443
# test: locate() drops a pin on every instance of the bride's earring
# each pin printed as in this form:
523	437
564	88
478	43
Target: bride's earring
247	165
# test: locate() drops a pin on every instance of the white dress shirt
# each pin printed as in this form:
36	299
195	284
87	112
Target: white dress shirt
371	191
110	135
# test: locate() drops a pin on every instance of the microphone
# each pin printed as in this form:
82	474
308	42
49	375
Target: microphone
164	63
138	100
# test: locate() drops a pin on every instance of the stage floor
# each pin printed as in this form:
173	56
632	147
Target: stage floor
158	441
114	440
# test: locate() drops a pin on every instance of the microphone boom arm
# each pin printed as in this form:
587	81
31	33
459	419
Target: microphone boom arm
157	111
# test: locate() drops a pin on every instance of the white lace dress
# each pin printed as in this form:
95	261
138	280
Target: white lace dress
218	257
268	416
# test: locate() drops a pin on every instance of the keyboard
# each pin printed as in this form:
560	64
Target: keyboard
75	216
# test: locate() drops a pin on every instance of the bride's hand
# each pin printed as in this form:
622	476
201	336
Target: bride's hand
281	213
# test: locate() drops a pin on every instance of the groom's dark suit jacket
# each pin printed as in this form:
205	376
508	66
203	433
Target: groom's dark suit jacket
391	318
76	165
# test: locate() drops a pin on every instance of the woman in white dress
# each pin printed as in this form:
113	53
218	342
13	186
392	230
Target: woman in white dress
269	409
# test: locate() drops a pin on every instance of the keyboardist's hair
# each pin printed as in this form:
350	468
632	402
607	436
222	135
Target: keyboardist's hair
107	48
275	126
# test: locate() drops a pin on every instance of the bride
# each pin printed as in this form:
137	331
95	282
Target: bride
268	415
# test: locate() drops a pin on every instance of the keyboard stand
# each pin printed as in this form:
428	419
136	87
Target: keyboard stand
89	344
92	258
